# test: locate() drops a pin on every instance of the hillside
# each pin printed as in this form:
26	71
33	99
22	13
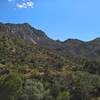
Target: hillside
17	51
70	47
35	67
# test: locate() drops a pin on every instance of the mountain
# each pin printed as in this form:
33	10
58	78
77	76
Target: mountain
71	47
78	48
18	52
29	33
35	67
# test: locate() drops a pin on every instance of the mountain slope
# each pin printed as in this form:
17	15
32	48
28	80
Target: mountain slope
35	67
71	47
89	50
19	52
29	33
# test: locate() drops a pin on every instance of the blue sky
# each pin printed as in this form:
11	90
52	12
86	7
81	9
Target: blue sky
60	19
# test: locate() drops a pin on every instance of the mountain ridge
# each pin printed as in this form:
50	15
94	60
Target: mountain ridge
43	33
69	47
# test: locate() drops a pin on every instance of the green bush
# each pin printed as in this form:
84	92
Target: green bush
10	86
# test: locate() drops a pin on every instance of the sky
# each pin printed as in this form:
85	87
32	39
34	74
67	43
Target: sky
59	19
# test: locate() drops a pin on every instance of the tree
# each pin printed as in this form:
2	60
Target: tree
64	96
34	90
10	86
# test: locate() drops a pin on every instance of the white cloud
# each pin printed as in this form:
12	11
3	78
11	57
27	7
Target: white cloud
22	3
25	4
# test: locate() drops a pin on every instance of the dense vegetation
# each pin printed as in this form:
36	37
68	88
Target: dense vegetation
29	71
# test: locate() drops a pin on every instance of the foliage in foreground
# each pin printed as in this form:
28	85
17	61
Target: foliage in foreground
64	85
